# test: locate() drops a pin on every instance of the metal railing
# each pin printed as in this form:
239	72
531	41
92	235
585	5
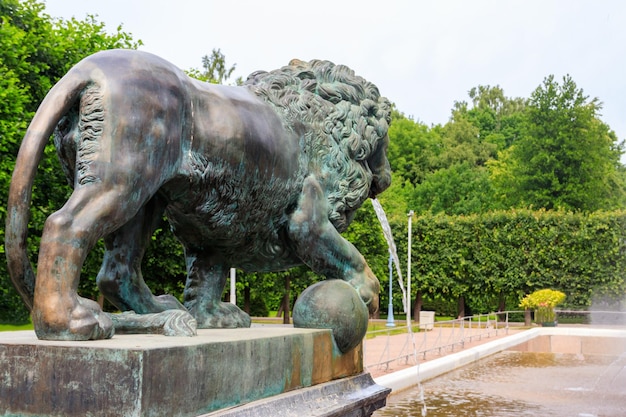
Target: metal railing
439	337
443	337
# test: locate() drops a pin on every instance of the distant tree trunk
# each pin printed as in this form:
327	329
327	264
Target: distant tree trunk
286	297
527	318
417	306
461	307
101	300
246	299
502	306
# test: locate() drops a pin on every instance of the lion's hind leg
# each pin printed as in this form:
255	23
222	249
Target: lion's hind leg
120	278
91	212
203	293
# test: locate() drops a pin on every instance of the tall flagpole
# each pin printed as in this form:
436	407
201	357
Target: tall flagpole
408	273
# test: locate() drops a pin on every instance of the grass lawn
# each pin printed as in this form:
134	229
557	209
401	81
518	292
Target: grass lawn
12	327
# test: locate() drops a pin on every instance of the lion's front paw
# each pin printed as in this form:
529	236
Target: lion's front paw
219	315
368	288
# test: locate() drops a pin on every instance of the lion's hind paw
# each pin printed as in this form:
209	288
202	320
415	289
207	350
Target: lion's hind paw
221	316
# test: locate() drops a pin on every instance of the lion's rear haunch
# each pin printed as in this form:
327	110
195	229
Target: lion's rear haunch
57	103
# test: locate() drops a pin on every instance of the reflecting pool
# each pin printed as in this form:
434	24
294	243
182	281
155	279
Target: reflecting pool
513	383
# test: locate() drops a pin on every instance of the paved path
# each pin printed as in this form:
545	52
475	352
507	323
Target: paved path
385	353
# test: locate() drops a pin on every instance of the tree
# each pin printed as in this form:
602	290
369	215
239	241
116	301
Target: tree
497	117
412	149
458	182
458	189
461	142
567	157
35	52
214	69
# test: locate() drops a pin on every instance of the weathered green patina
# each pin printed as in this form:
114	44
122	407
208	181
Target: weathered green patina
261	177
333	304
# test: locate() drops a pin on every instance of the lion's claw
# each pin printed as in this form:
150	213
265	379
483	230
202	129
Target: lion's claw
220	316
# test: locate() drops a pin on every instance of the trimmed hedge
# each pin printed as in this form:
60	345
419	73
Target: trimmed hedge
512	253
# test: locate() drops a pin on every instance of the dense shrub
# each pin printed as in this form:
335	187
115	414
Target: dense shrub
512	253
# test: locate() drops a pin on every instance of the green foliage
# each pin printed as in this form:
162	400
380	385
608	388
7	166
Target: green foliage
497	117
35	52
543	302
542	298
214	69
412	149
462	142
164	268
512	253
446	164
258	307
567	158
549	151
457	189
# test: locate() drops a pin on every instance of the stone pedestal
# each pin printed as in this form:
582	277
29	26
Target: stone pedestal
286	371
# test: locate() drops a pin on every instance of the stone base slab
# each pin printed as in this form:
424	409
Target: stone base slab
155	375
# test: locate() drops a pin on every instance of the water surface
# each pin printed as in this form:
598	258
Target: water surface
522	384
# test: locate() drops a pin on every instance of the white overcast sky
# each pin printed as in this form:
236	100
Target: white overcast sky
423	55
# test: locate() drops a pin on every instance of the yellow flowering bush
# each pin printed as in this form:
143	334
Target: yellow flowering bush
543	302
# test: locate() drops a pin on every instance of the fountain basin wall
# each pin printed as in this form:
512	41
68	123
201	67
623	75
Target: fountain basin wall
576	343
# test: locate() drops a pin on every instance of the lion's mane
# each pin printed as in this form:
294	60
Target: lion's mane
340	118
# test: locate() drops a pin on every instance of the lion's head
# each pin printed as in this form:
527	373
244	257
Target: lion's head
342	122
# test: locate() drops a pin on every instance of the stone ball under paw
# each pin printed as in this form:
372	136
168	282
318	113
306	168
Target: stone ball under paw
336	305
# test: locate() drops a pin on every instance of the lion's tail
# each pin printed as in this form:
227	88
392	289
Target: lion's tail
58	101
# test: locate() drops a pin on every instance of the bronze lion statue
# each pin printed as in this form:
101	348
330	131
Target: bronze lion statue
261	177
